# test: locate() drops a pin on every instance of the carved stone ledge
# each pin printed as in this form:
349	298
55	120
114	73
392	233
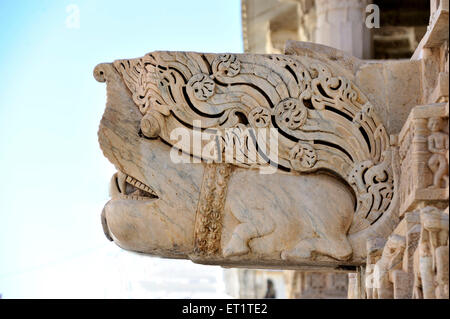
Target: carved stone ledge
437	32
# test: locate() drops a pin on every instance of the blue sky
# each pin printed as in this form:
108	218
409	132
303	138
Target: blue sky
54	177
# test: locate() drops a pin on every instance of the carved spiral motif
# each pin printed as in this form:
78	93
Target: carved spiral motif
259	117
150	126
302	156
226	65
291	113
201	86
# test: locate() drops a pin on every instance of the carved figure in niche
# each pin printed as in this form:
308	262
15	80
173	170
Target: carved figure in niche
391	259
438	146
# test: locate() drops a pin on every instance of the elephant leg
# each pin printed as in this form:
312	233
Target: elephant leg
238	244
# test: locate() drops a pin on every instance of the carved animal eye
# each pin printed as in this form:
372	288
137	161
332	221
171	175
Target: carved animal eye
201	86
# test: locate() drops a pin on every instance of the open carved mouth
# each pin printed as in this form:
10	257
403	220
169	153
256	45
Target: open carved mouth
124	186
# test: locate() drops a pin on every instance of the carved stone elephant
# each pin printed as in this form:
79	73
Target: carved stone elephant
312	212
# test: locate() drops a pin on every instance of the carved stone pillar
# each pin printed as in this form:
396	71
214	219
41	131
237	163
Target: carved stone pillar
341	24
431	257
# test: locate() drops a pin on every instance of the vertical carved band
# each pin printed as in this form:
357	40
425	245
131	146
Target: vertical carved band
208	223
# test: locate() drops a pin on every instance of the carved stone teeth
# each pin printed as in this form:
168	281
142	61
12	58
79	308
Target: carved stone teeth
130	180
121	181
134	197
140	186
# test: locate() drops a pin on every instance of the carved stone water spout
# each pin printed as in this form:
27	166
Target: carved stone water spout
308	192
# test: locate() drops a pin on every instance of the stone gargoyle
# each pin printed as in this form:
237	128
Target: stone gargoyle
310	199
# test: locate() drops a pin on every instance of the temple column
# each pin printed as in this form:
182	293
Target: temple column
341	24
